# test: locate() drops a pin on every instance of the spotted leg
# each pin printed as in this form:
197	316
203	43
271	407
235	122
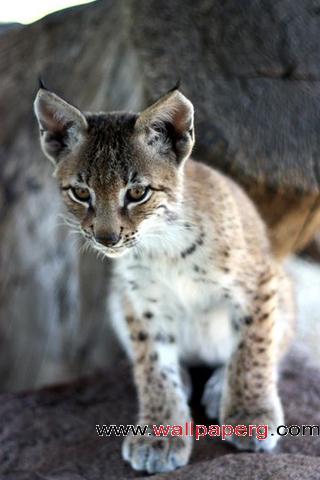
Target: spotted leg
162	401
250	395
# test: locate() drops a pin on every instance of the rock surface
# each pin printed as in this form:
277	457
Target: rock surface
50	434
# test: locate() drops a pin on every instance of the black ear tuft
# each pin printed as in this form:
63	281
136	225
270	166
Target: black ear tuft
176	86
41	83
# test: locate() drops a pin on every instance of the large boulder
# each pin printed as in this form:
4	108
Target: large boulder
251	70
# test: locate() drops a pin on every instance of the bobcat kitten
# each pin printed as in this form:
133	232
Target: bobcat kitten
195	281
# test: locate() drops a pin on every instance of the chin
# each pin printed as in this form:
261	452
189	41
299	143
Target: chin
113	253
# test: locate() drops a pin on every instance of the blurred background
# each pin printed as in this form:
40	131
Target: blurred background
252	70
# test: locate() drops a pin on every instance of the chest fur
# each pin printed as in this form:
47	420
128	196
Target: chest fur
186	299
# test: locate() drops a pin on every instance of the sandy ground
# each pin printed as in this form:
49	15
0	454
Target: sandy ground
306	276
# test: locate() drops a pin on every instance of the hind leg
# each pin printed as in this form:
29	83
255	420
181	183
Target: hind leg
211	398
287	307
186	381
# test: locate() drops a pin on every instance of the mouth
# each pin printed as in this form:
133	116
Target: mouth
111	252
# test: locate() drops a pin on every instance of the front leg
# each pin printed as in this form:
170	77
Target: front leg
250	395
162	399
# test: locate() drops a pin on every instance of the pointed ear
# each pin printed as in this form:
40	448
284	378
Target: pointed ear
167	126
62	126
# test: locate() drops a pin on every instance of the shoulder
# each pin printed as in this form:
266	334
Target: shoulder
205	179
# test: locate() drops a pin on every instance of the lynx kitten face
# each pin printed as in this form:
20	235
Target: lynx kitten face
119	173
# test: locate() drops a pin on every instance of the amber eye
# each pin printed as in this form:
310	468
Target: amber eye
81	194
136	194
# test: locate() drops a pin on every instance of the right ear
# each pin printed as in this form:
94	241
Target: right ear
167	125
62	126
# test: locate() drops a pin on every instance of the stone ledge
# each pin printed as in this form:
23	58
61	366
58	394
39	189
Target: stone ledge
50	433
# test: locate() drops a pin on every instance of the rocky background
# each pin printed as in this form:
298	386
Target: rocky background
251	69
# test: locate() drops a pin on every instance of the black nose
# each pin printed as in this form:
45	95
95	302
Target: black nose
108	240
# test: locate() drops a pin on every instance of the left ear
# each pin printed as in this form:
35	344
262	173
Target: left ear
62	126
168	126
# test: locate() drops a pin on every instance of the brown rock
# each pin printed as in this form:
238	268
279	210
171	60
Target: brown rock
51	433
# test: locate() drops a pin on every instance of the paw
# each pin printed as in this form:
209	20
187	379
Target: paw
156	454
211	398
263	438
